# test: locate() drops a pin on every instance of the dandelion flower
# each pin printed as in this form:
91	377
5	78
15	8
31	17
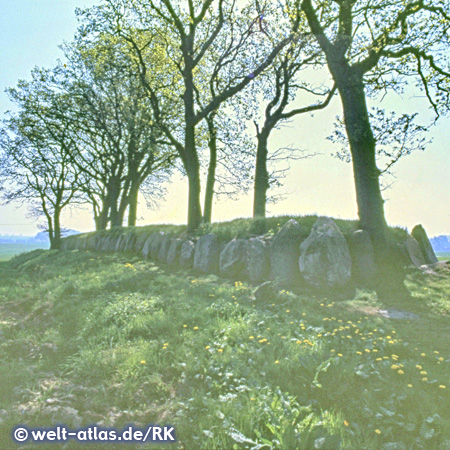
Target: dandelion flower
401	372
424	379
418	366
277	362
220	350
207	347
377	431
423	372
143	362
442	386
410	385
346	423
423	354
195	328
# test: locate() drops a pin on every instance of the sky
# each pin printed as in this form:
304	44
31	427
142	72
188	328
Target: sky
32	30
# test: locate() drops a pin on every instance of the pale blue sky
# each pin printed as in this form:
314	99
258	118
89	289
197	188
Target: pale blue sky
30	32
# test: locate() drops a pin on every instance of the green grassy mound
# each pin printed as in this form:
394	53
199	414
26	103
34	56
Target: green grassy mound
113	339
246	227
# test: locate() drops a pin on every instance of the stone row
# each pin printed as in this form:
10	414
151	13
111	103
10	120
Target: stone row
324	258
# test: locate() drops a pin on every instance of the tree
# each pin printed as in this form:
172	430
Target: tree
36	160
205	32
372	47
281	84
119	146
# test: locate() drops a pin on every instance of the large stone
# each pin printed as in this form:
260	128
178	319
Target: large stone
164	247
206	257
233	258
119	242
284	253
324	256
173	254
155	245
128	244
420	235
363	256
414	252
105	241
258	260
147	245
141	238
187	253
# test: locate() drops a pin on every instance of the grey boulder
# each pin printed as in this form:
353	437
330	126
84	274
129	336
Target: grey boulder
258	260
284	252
324	256
232	262
420	235
187	252
206	257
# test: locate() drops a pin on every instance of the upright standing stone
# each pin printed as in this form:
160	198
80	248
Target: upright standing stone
324	256
258	260
130	240
141	238
233	258
155	245
164	247
363	255
173	255
420	235
187	252
284	252
146	248
414	252
206	257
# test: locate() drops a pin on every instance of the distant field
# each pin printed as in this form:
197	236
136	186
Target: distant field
7	251
443	256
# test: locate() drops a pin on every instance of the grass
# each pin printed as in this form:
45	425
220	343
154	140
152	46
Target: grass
8	251
443	256
112	339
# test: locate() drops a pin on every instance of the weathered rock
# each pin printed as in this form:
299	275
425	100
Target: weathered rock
414	252
363	256
119	242
233	258
174	252
187	253
206	257
420	235
129	241
105	243
140	241
155	245
258	260
91	242
324	255
147	245
266	292
284	253
164	247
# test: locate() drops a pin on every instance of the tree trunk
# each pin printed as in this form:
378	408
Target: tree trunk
116	216
192	164
261	176
132	207
209	193
55	243
366	174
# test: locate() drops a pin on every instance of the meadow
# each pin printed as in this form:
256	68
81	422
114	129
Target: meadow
113	339
9	250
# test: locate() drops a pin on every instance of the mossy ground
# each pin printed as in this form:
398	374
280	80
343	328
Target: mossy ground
121	340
